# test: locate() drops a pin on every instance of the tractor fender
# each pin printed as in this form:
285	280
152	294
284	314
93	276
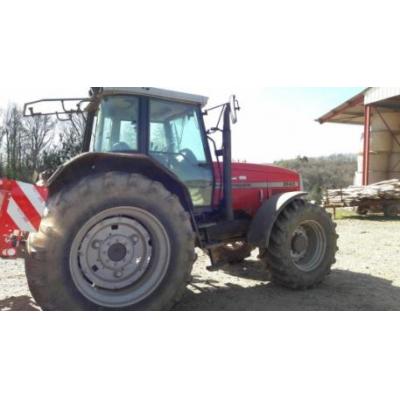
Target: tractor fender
263	222
96	163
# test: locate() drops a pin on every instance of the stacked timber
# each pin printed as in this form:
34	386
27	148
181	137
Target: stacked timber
351	196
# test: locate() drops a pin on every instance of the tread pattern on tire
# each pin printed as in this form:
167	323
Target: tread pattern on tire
278	257
46	260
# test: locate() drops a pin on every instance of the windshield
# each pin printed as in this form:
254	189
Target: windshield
117	125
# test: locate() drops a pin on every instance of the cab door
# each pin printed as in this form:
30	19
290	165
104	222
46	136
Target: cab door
177	140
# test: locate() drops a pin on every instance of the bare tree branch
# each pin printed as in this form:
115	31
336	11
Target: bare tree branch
40	132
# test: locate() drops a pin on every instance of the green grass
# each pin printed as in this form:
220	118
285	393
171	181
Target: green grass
342	213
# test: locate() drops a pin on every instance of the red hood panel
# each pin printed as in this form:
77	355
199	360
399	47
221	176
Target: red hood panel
267	172
254	183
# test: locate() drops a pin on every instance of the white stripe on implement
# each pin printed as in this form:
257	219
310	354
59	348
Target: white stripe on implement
34	196
19	217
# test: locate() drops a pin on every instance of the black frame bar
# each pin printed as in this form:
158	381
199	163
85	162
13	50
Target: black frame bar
29	110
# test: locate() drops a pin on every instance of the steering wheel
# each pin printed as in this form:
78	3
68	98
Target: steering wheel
120	146
188	155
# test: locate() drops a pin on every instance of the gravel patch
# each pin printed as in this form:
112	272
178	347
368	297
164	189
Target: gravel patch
366	277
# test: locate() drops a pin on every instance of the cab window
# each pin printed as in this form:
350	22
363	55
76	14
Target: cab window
117	125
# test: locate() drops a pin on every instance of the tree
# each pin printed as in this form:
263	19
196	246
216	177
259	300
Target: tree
40	132
321	173
14	135
35	144
69	144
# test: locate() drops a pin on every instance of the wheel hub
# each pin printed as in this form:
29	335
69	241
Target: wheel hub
299	243
308	246
115	253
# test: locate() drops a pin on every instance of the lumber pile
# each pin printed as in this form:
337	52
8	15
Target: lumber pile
351	196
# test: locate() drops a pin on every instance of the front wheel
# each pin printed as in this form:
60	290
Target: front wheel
302	247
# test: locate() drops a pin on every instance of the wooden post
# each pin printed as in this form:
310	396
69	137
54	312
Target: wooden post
367	139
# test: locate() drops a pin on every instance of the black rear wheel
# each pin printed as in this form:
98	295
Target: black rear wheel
303	246
112	241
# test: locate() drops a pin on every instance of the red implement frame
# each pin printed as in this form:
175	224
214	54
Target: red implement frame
21	209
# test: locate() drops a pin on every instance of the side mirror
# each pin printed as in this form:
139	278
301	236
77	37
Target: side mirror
234	104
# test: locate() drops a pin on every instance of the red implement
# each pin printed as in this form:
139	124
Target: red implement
21	209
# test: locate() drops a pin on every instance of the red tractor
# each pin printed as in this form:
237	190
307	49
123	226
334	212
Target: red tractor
117	226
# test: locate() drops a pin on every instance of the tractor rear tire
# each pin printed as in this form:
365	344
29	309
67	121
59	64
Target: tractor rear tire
114	241
303	246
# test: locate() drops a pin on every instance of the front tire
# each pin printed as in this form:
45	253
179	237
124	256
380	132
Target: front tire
302	247
112	241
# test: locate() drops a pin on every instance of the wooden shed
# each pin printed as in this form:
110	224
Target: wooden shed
377	110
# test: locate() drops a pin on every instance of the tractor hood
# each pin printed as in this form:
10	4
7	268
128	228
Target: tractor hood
265	175
272	175
264	168
252	184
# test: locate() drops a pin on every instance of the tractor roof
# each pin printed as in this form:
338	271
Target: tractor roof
158	93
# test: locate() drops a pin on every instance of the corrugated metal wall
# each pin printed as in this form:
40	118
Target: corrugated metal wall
380	93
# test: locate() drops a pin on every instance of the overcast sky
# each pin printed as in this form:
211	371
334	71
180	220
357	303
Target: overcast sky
274	123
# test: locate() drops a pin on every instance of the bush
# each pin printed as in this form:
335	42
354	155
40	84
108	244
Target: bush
322	173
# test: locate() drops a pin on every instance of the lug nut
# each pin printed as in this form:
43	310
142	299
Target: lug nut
96	244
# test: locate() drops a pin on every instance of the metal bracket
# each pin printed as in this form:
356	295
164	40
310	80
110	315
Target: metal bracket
29	108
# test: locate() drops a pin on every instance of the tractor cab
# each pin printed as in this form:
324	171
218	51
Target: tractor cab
166	126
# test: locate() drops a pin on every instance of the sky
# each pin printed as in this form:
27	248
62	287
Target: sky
273	124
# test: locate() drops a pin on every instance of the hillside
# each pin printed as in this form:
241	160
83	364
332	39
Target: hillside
331	172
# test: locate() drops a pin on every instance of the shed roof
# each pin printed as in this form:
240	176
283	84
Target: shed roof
381	94
352	111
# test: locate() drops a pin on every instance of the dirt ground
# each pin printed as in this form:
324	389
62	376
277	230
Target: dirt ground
366	277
